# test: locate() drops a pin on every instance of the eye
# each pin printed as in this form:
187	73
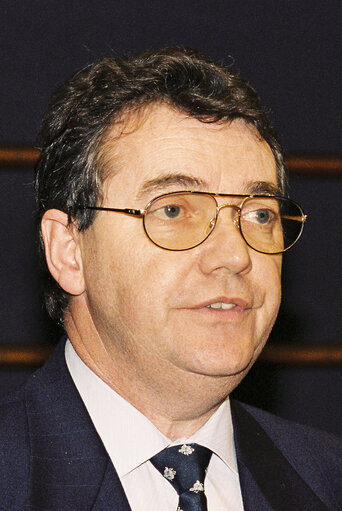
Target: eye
171	211
260	216
178	208
167	211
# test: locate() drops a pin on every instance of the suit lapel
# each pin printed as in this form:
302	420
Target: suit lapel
111	495
70	468
268	481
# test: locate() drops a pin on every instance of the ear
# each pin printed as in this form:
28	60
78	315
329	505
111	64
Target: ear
62	251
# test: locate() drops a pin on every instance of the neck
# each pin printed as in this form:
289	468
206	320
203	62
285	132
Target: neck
177	402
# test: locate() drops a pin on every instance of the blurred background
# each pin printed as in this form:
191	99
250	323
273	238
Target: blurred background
291	52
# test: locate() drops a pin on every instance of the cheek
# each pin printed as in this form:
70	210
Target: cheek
143	296
145	284
269	277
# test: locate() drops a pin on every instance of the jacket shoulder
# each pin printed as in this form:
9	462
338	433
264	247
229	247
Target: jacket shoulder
310	451
282	430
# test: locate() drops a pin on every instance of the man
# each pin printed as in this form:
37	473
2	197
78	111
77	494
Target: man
163	220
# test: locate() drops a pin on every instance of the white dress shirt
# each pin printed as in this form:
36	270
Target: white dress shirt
131	440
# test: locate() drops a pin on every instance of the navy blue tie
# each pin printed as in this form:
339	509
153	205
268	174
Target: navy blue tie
184	466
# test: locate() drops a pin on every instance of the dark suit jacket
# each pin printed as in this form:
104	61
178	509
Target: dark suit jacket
51	458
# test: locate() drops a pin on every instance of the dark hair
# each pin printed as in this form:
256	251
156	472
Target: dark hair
68	171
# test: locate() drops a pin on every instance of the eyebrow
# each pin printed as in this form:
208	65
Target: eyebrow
263	187
162	183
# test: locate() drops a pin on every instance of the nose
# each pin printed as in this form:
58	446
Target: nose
225	249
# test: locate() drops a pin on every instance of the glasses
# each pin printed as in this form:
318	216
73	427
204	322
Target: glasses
269	224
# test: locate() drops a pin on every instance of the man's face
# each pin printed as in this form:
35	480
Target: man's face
149	306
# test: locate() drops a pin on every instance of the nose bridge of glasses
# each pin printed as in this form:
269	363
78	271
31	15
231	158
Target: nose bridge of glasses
235	210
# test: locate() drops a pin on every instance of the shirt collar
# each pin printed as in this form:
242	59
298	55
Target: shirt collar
133	439
217	434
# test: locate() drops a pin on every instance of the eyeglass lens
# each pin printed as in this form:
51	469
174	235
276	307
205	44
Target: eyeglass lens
182	221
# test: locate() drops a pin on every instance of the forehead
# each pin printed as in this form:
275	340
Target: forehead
161	149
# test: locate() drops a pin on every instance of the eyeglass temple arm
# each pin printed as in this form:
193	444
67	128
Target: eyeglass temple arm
302	218
126	211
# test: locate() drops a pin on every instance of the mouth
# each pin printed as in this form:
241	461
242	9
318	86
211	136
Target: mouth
220	310
221	306
223	303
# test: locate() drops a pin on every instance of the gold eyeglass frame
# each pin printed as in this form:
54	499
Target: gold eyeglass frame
141	213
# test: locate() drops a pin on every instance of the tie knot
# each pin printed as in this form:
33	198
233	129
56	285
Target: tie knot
184	466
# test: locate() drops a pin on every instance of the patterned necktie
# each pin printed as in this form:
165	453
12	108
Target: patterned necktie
184	466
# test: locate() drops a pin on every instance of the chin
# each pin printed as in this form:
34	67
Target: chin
236	364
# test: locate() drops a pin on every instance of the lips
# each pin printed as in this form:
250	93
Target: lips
224	303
